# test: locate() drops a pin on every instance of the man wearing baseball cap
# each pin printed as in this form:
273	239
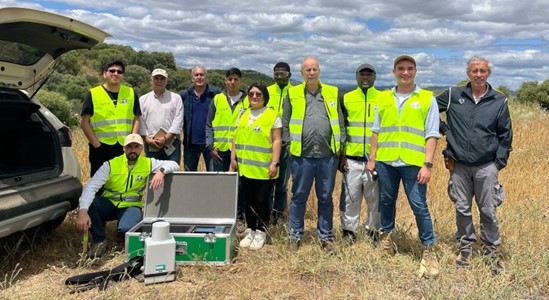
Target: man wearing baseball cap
161	119
404	140
358	108
124	178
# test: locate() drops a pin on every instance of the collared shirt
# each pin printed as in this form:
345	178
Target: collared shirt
317	132
432	120
103	174
165	111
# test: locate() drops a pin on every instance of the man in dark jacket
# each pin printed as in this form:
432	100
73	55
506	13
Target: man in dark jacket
479	140
196	102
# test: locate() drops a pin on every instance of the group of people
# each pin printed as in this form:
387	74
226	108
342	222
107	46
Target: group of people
376	139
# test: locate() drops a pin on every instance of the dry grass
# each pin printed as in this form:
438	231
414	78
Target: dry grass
35	268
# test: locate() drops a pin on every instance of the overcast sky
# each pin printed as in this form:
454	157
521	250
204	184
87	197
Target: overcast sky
342	34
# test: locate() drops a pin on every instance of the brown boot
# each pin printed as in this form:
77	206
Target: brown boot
428	267
386	243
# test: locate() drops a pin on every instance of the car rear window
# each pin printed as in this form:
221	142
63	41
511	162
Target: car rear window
18	53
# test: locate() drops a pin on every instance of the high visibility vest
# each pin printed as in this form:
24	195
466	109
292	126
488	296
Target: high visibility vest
298	102
360	118
110	123
124	188
254	148
224	122
277	95
403	136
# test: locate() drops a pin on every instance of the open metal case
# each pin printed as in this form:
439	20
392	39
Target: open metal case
201	210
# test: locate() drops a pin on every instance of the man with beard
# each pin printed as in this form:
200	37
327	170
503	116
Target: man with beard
124	179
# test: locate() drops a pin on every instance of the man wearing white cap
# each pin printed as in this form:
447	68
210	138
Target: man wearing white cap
124	179
161	119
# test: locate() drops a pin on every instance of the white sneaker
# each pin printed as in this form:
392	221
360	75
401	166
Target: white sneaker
248	239
259	240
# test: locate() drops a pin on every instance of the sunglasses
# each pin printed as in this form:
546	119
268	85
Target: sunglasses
112	71
255	94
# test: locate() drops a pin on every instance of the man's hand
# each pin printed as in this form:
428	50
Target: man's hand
371	166
343	166
234	165
215	155
157	180
153	143
424	175
83	221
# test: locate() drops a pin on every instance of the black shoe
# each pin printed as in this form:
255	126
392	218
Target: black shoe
349	237
374	237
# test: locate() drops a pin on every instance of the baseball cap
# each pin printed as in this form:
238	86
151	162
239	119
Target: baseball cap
365	66
404	57
160	72
133	138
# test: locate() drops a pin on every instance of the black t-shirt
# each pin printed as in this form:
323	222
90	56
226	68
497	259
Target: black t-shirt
87	105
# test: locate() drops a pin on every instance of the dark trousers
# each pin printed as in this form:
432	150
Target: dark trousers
257	193
103	153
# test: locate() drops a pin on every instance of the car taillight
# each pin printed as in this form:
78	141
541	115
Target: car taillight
65	136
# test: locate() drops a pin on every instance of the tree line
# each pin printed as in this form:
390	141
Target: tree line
80	70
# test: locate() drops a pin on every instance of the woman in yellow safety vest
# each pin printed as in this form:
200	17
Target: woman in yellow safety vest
255	154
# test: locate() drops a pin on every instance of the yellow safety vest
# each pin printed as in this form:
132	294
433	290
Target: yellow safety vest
360	118
224	121
403	136
124	188
110	123
277	95
298	102
254	148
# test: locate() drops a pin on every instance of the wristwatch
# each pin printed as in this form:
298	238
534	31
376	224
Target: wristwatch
428	164
162	170
277	164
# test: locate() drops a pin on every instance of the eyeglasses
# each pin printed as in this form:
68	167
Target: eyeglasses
281	73
255	94
112	71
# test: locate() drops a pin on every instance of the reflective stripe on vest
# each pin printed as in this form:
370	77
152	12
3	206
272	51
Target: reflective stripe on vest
110	123
224	121
360	118
298	102
403	136
124	188
277	95
254	149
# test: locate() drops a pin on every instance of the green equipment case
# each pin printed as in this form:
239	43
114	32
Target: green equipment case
201	210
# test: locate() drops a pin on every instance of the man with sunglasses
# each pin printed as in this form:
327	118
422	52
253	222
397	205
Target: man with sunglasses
110	112
278	92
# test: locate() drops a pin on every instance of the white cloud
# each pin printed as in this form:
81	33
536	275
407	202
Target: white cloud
341	34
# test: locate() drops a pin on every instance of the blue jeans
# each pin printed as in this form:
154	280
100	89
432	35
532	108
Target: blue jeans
279	200
161	154
389	181
103	210
191	156
304	171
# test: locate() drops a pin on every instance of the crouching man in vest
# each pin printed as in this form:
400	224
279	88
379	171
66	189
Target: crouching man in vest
124	178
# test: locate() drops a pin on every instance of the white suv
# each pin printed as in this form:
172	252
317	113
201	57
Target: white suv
39	172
